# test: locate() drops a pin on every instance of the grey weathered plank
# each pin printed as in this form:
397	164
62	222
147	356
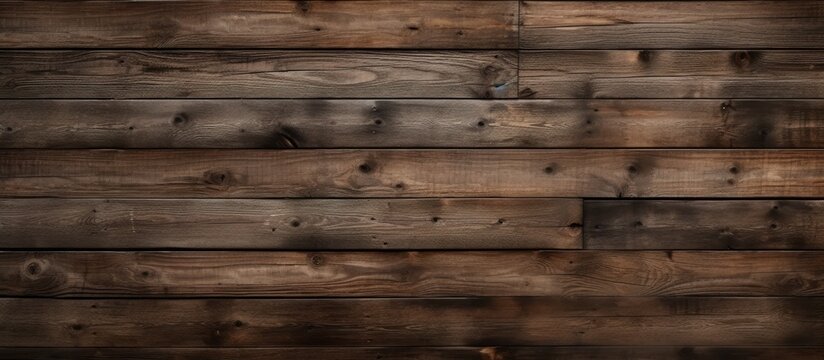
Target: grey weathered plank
257	74
671	24
672	74
259	24
411	173
708	224
291	224
412	322
411	123
429	273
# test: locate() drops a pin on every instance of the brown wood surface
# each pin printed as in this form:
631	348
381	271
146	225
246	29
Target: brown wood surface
672	74
424	353
436	273
291	223
671	24
412	322
259	24
411	123
257	74
411	173
709	224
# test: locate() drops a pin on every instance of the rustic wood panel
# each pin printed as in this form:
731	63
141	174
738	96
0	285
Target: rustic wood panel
257	74
672	24
422	353
672	74
259	24
291	224
404	322
411	173
731	224
358	274
410	123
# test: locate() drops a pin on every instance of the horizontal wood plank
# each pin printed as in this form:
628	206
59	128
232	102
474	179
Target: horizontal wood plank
672	74
672	24
673	224
423	353
257	74
291	224
382	274
411	173
32	124
412	322
259	24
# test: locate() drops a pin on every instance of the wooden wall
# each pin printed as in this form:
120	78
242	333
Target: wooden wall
452	179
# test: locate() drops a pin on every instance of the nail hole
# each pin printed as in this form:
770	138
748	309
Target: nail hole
549	170
33	269
436	219
734	170
481	124
773	226
295	223
501	221
378	122
317	260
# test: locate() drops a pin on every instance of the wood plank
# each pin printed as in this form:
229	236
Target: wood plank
422	353
259	24
412	322
291	224
674	224
411	173
672	74
411	123
672	24
257	74
382	274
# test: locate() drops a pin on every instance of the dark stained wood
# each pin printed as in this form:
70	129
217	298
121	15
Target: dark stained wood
291	224
259	24
382	274
257	74
674	224
412	322
410	123
411	173
422	353
671	24
672	74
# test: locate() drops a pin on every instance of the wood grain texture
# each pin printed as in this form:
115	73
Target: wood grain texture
731	224
257	74
291	224
259	24
672	24
412	322
411	123
382	274
422	353
411	173
672	74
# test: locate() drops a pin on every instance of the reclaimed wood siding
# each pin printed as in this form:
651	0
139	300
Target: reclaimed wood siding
397	180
